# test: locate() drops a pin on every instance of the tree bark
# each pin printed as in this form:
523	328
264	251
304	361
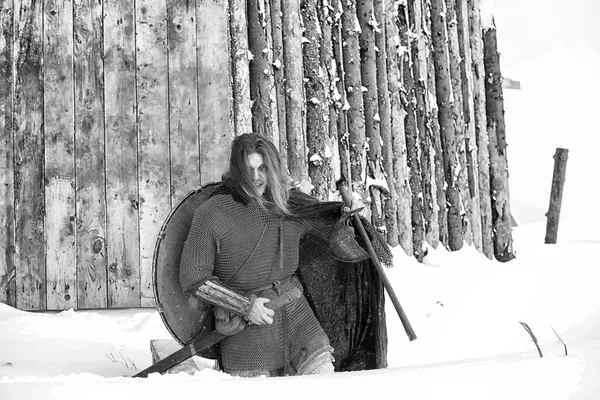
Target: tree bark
239	32
397	117
385	126
279	134
412	138
459	120
294	99
438	182
469	120
368	24
355	105
339	96
330	77
480	122
261	74
419	70
494	100
558	180
319	166
447	125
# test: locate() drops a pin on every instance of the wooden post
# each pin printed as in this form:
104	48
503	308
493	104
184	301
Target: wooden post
558	180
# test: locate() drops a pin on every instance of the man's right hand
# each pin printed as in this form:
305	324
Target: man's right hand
259	314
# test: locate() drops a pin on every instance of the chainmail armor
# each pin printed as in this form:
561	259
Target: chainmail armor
223	237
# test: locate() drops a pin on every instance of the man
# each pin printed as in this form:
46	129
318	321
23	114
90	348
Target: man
246	238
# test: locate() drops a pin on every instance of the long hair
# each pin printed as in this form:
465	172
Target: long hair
239	181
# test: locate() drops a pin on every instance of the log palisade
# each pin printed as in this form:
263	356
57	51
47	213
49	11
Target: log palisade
113	111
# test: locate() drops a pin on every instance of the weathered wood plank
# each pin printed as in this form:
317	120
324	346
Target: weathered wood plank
122	224
183	97
89	145
29	157
7	215
153	128
61	270
214	89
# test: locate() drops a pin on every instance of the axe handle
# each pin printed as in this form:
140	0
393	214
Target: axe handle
386	283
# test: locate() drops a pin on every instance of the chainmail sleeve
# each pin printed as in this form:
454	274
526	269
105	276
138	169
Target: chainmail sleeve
199	250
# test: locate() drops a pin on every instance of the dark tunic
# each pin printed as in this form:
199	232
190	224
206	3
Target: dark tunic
240	245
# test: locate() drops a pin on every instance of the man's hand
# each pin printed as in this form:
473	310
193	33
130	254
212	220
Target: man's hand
356	204
259	314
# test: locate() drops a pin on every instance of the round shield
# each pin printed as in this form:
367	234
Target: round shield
184	316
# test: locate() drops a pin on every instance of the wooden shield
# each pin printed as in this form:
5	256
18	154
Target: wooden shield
184	316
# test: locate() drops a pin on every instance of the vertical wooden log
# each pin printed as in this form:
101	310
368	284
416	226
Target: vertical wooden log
469	119
279	134
465	204
418	53
261	69
438	181
412	137
153	133
368	69
61	267
339	91
183	98
294	99
397	118
214	89
30	257
447	126
120	110
354	98
385	125
494	103
89	155
480	121
333	107
238	28
317	107
7	188
558	180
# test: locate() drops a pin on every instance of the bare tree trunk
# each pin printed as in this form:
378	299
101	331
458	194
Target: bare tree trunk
494	100
438	182
385	126
278	79
330	76
469	119
558	181
419	69
368	62
260	69
238	29
397	118
339	96
459	121
412	138
447	126
481	132
355	105
319	166
292	54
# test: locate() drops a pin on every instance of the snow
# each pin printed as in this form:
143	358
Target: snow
465	309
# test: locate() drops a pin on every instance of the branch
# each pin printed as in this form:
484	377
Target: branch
559	339
528	329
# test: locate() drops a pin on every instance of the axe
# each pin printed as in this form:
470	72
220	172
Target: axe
342	186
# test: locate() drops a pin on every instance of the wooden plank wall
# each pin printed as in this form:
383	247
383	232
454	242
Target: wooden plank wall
101	111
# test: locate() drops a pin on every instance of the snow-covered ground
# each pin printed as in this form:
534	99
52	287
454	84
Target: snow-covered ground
465	309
